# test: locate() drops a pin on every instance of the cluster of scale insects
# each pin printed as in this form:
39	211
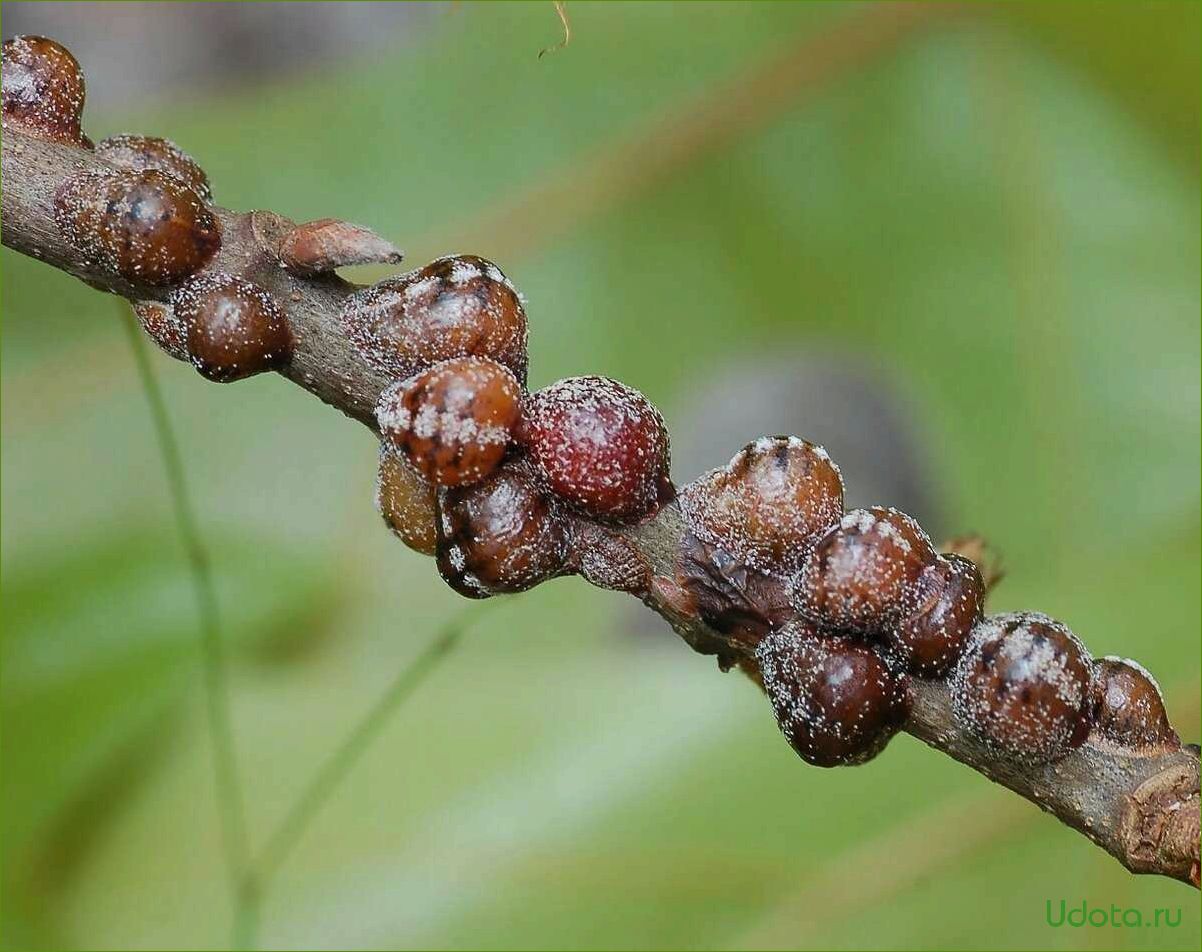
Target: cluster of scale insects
834	611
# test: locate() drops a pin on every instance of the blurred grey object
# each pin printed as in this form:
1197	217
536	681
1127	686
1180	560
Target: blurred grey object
134	52
849	408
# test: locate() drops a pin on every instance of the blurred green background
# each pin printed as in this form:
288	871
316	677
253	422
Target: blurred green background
984	221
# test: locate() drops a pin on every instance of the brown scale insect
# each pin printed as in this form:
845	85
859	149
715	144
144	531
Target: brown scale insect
768	504
599	445
1126	709
406	502
453	422
458	306
42	90
932	638
161	325
863	576
1021	686
606	558
150	152
504	534
147	226
837	701
235	328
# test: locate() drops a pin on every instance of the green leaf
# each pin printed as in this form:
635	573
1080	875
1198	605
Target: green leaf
99	649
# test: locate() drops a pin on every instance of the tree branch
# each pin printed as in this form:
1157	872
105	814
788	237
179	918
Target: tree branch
1143	810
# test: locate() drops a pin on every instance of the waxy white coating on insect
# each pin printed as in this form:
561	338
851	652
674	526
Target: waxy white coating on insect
234	327
103	214
1021	685
462	272
864	575
501	535
467	268
823	705
418	289
934	635
1132	663
622	573
864	521
598	444
769	504
43	89
454	420
152	152
161	325
448	426
1126	706
455	306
